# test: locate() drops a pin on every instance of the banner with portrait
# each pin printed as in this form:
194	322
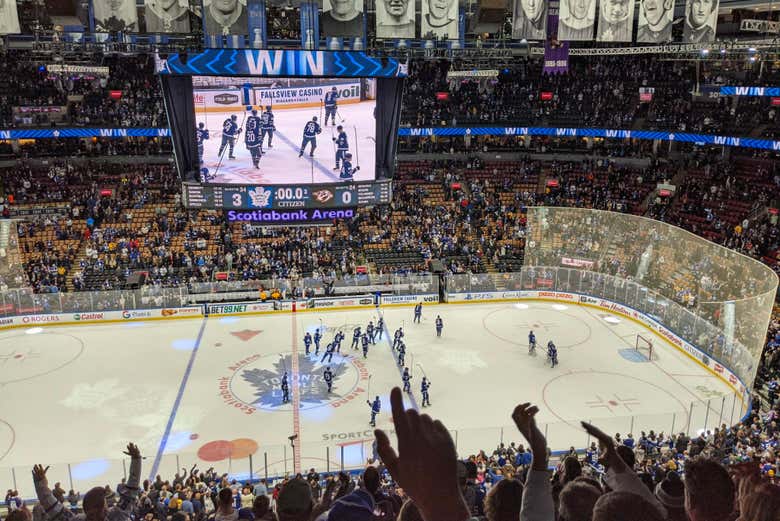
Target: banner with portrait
342	18
616	21
577	20
701	21
395	19
225	17
115	15
167	16
9	18
529	19
439	19
655	21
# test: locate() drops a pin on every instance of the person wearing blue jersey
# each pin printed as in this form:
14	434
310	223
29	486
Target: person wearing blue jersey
252	138
552	353
328	375
380	326
317	338
307	342
347	170
267	126
439	325
424	386
310	131
407	380
202	134
338	339
364	340
342	146
401	353
531	343
230	131
399	334
329	349
331	105
417	312
375	408
355	337
370	331
285	389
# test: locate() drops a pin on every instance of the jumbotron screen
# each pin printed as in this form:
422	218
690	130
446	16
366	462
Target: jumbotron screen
285	131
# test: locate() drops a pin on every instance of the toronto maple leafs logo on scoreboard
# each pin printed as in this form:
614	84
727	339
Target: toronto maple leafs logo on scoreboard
261	198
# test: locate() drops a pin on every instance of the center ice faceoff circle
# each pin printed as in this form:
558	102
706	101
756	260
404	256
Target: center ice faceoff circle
255	381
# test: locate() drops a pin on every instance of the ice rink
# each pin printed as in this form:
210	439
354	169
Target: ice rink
281	164
207	390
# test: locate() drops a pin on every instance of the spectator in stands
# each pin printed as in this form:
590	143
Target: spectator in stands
709	491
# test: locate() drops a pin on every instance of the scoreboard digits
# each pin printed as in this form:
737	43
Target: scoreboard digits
257	197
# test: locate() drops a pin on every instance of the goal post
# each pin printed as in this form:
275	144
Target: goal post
644	346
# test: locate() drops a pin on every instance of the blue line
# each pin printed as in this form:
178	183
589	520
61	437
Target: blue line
320	167
176	403
400	369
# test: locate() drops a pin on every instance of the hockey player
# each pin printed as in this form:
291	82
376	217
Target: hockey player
338	339
317	338
331	105
375	408
417	312
552	353
424	385
342	145
347	171
307	341
267	126
407	380
380	327
439	325
356	337
328	375
399	334
310	132
202	134
364	340
285	389
329	349
401	353
252	138
531	343
370	331
230	131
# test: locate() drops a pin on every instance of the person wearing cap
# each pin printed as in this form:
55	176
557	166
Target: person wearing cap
671	493
94	504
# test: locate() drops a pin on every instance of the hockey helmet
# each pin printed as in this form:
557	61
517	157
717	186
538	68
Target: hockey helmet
233	117
268	107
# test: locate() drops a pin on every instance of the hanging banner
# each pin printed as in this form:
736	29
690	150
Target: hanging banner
529	19
556	58
225	17
9	18
163	16
257	24
701	21
395	19
577	20
439	19
552	19
655	21
616	20
310	33
342	18
115	15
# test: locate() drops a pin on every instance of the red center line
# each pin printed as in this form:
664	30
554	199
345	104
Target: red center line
296	396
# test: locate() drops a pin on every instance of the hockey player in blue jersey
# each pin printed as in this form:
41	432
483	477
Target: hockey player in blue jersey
347	170
307	341
267	126
424	386
230	131
399	334
310	131
356	337
401	353
202	134
342	146
317	338
364	340
531	343
552	353
370	331
375	408
407	380
328	375
285	389
331	105
252	138
439	325
329	349
380	327
337	340
417	312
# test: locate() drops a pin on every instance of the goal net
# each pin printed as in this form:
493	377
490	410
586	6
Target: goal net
645	347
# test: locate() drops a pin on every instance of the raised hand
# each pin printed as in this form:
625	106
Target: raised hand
609	456
524	418
425	464
133	452
39	474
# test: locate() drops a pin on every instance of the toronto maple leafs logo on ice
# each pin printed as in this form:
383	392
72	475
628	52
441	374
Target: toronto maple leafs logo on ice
266	382
261	198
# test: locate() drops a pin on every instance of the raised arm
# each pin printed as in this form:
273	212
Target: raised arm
128	495
55	511
537	494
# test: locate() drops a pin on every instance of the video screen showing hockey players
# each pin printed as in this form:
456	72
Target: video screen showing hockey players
285	130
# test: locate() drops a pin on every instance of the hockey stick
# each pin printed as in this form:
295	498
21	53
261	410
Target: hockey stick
411	372
320	110
422	371
368	389
284	365
333	140
339	115
357	148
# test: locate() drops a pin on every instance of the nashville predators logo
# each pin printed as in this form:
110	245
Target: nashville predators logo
323	196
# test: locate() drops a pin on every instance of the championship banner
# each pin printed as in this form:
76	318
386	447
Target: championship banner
616	20
577	20
9	18
655	21
529	19
304	97
342	19
701	21
395	19
310	33
258	35
556	58
552	19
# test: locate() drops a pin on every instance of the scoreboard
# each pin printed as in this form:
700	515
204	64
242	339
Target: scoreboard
286	197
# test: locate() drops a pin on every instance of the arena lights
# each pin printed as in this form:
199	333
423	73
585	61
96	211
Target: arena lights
559	307
34	331
520	305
